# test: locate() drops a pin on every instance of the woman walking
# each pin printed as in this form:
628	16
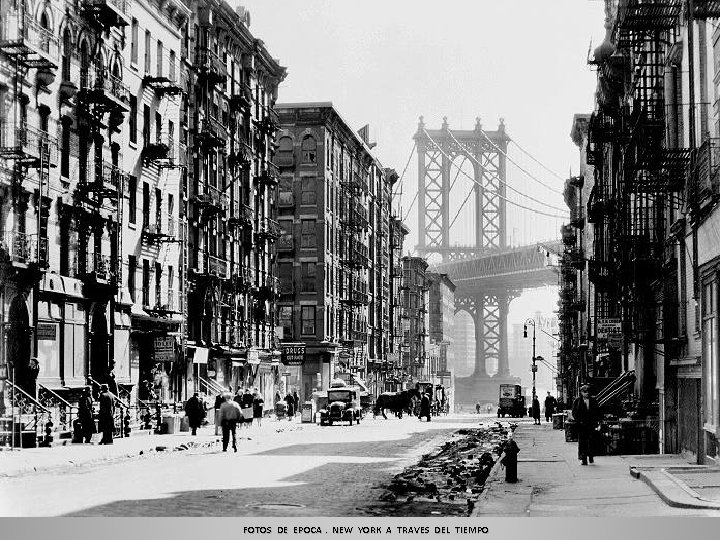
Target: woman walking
258	403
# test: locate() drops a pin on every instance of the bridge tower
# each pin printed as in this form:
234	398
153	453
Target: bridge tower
437	150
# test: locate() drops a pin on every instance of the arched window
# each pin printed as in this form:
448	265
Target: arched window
67	53
309	149
285	145
84	65
44	24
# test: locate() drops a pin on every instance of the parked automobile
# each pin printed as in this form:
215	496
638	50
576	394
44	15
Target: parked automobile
343	405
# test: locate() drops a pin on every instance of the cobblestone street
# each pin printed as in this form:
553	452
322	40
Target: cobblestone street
302	470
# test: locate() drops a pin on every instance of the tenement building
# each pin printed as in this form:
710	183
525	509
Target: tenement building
414	319
137	200
441	302
334	251
229	196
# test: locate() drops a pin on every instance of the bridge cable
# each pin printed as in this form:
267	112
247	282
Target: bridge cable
528	154
503	182
472	189
554	190
417	192
509	201
399	184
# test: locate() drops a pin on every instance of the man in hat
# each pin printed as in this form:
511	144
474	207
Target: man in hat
195	412
586	413
230	414
106	417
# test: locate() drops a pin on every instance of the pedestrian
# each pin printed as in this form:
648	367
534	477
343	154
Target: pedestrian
424	407
477	407
586	414
535	410
258	403
246	405
550	403
296	401
290	400
219	399
230	414
106	417
195	412
86	416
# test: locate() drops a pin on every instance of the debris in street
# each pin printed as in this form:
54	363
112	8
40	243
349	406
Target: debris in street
451	478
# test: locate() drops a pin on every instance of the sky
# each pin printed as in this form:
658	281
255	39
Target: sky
388	62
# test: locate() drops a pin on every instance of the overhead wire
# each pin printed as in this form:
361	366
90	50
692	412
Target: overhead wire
509	201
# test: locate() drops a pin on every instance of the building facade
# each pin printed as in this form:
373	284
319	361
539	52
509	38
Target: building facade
415	320
335	250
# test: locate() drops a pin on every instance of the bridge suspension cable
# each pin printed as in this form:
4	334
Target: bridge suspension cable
509	201
554	190
399	184
528	154
558	208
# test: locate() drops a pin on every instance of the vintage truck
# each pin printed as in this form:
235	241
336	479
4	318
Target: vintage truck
511	402
343	405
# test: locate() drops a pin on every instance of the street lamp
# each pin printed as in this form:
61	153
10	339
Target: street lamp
534	367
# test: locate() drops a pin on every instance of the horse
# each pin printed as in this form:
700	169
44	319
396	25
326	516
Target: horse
397	402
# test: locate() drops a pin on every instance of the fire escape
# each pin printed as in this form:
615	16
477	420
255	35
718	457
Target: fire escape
354	261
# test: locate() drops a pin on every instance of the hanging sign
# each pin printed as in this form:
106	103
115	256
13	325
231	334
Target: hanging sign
607	326
293	354
164	348
46	331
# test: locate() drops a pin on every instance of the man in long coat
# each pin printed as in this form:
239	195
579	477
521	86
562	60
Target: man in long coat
85	415
195	411
550	404
106	417
535	410
424	407
586	414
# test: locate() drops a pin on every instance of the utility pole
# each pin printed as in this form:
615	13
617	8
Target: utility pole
534	366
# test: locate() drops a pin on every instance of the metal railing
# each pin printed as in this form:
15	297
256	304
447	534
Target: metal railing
121	417
217	266
28	414
123	6
108	175
208	60
62	411
26	30
23	247
212	388
704	180
99	78
270	228
21	140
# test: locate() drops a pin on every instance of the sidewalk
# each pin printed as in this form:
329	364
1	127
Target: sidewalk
552	483
30	460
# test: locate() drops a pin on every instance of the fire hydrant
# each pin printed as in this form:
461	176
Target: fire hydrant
509	460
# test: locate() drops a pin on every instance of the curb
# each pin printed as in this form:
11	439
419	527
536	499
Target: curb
672	491
491	479
68	464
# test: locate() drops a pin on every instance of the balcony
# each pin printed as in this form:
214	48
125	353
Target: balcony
268	176
108	181
600	274
704	180
270	123
160	150
30	146
242	99
243	158
210	66
98	270
241	278
154	232
165	83
164	305
568	235
575	257
355	298
356	256
210	134
269	229
286	244
22	249
355	183
242	216
355	217
26	40
707	9
217	267
212	202
577	217
103	90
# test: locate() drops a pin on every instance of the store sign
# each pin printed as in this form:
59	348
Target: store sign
293	354
164	349
253	356
201	355
46	331
607	327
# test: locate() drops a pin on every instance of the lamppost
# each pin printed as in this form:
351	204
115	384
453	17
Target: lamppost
534	367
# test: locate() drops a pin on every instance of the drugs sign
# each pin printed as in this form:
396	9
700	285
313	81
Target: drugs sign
293	354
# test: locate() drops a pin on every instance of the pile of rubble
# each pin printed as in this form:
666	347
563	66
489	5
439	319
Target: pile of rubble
449	480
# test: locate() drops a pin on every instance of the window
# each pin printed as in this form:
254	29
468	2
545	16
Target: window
308	276
146	204
148	55
65	148
307	320
158	127
134	46
132	266
132	121
308	238
159	58
171	67
67	54
710	351
285	273
146	124
309	192
158	284
309	149
285	318
132	202
146	283
158	207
